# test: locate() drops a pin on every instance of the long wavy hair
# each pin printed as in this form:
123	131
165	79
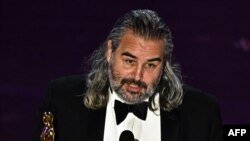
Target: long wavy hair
148	25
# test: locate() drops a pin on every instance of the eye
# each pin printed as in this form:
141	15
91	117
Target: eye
129	61
151	66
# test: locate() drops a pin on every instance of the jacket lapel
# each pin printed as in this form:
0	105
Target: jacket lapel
170	126
96	122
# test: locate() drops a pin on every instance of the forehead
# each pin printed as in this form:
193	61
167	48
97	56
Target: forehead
140	46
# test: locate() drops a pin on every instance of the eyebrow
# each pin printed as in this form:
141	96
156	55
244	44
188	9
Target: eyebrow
155	59
132	56
129	55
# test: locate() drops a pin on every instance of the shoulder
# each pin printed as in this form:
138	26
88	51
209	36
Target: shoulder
65	94
193	96
74	84
200	115
196	101
65	90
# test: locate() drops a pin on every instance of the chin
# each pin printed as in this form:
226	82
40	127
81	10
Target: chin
133	98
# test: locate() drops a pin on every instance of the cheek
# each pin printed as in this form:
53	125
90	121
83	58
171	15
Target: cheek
120	71
151	78
118	74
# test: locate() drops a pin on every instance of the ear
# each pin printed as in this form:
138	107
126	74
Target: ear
109	51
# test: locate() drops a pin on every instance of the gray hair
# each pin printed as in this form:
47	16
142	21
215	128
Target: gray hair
148	25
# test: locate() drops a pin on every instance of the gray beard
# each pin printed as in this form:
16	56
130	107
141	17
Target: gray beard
133	98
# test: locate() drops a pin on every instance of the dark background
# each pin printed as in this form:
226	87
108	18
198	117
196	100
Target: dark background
46	39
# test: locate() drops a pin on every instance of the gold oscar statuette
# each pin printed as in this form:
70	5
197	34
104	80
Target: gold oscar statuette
48	132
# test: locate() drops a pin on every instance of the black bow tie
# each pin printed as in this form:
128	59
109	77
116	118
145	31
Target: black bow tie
122	109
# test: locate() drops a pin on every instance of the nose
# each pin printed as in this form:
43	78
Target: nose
138	73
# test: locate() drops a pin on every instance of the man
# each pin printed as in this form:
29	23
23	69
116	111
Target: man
133	86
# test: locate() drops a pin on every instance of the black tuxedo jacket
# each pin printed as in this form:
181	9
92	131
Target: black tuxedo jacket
197	119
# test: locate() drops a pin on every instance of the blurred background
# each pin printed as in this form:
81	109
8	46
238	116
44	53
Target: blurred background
44	40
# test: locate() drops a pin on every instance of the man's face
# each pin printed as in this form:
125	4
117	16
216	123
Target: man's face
135	67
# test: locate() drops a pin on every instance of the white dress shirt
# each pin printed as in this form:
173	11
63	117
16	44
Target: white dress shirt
148	130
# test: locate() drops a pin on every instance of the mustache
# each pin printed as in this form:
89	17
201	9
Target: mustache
133	81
